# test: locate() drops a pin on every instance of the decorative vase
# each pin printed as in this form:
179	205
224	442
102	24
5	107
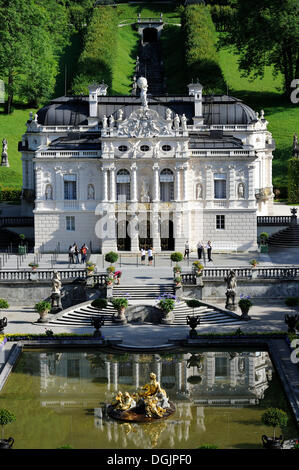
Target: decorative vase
6	443
121	318
272	442
245	315
43	316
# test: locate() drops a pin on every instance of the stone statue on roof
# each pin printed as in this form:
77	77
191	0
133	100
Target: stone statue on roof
142	84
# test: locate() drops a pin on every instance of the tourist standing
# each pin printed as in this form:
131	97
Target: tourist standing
117	276
150	256
209	250
76	252
187	250
71	255
83	253
199	249
143	255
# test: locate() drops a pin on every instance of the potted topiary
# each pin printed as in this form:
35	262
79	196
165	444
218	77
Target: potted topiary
120	304
166	305
90	268
33	265
99	303
109	280
178	281
111	257
110	269
6	417
274	417
176	257
198	268
254	263
245	305
43	309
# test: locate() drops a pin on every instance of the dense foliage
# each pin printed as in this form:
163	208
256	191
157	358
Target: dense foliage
6	417
10	194
293	180
266	33
200	48
33	34
176	256
99	303
4	303
111	257
98	55
274	417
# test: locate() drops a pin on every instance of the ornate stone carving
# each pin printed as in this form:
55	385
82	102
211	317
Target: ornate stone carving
142	83
4	156
144	123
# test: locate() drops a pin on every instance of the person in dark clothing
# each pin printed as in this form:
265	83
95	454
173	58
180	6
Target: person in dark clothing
199	249
209	251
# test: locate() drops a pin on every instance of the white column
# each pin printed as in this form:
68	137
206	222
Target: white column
209	186
115	375
112	184
251	195
104	184
38	182
134	183
155	233
177	195
136	373
156	192
108	371
232	191
178	375
185	183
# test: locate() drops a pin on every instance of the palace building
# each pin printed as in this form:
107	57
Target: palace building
121	172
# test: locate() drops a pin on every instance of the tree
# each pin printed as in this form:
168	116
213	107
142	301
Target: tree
6	417
32	35
265	33
274	417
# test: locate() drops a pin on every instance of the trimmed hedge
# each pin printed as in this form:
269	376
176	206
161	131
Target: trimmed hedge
98	55
200	49
293	180
8	194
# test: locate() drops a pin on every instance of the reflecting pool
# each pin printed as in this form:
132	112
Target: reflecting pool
59	398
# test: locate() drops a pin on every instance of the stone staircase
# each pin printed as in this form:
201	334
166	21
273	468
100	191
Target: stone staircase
149	291
288	237
150	66
81	316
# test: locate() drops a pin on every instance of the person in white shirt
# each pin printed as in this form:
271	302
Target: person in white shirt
187	250
150	255
209	250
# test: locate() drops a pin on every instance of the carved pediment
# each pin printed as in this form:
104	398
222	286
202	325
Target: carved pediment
144	123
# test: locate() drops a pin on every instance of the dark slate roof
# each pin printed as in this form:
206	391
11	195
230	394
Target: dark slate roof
77	141
213	140
216	109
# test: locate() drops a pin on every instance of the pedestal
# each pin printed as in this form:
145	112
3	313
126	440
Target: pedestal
167	319
56	306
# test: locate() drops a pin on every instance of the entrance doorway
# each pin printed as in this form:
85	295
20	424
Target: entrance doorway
123	242
167	243
146	242
150	35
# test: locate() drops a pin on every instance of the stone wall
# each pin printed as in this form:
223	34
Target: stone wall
255	288
240	227
50	229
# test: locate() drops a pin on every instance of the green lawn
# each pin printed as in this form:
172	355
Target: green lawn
12	127
283	116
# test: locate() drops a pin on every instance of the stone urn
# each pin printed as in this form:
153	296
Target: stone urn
245	315
272	442
121	317
193	322
291	321
167	317
3	324
43	316
97	323
7	443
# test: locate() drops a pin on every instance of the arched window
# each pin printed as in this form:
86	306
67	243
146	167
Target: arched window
166	185
123	185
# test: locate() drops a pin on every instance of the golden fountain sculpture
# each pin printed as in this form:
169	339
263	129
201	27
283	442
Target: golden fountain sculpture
150	402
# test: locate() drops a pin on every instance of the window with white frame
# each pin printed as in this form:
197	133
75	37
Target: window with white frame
70	187
123	186
220	222
219	186
166	185
70	223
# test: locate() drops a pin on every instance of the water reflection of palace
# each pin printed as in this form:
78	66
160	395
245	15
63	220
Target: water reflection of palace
192	380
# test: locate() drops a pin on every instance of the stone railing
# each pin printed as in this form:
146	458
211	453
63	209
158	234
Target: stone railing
285	272
274	219
226	152
47	275
16	221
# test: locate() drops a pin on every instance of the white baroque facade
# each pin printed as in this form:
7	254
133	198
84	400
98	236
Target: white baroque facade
121	172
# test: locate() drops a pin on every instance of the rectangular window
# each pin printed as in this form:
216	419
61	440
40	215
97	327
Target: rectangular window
70	223
220	186
221	369
220	222
70	187
73	368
